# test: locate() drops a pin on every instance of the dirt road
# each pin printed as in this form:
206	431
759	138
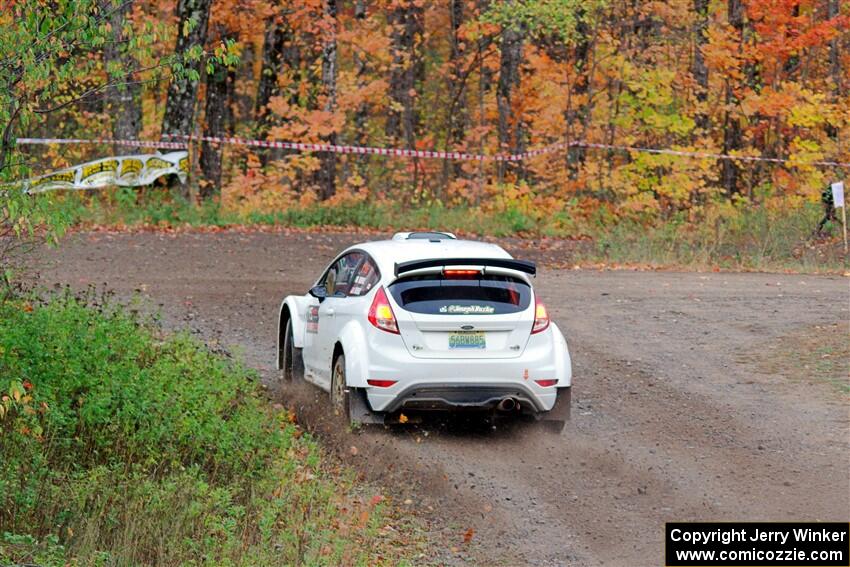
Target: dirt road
696	396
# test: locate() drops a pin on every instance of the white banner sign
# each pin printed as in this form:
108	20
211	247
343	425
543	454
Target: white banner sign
838	194
123	171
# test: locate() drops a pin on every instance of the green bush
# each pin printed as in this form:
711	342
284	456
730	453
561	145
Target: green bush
123	447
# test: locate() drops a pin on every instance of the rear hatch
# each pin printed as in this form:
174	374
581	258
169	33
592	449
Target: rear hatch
463	314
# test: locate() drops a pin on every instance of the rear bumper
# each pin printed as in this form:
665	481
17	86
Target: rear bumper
441	383
462	383
459	396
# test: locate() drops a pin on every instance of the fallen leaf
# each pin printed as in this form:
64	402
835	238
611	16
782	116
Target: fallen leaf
402	418
468	535
353	450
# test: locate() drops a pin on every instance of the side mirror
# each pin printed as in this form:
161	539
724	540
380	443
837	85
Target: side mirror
320	292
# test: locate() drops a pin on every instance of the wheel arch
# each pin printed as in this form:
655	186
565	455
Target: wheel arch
352	342
563	364
289	310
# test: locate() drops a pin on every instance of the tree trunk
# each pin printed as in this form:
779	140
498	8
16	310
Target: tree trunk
327	167
732	139
276	46
280	54
832	11
242	109
580	84
182	92
838	78
484	41
216	117
457	118
509	128
700	70
361	115
406	72
123	101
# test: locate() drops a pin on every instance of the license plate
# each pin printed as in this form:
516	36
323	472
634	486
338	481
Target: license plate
467	339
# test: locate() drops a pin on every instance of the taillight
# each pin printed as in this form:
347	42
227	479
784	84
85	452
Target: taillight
381	313
541	317
461	274
381	383
546	383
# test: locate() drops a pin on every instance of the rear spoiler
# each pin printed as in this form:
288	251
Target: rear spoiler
508	263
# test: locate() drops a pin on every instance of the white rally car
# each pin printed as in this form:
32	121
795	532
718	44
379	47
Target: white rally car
427	322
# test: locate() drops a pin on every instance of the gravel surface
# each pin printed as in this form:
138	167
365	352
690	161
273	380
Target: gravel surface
689	401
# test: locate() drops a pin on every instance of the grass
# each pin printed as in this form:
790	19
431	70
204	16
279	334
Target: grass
122	446
727	237
753	239
819	354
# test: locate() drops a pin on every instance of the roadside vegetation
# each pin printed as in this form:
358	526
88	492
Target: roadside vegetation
124	446
777	237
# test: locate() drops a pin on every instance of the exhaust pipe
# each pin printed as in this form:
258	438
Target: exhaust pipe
507	404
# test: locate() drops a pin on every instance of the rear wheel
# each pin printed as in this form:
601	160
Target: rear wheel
340	393
291	364
350	403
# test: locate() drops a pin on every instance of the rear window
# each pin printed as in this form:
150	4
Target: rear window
479	295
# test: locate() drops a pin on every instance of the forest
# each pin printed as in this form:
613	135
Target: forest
743	78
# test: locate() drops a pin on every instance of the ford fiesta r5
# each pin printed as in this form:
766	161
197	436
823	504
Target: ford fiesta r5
427	322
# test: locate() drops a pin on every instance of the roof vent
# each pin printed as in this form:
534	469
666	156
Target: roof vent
432	236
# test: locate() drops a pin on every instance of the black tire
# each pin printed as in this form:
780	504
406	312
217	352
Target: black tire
340	393
291	363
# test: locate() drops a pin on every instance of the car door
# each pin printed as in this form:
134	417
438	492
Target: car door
361	275
316	319
331	312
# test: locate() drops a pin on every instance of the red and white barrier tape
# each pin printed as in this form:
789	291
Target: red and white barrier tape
110	141
427	154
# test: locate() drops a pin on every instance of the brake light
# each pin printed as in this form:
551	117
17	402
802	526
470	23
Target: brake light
546	383
381	313
541	317
460	273
381	383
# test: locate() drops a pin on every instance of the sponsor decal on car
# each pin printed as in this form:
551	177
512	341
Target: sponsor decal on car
313	319
468	309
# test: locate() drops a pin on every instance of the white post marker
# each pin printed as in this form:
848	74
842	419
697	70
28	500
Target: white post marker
838	201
